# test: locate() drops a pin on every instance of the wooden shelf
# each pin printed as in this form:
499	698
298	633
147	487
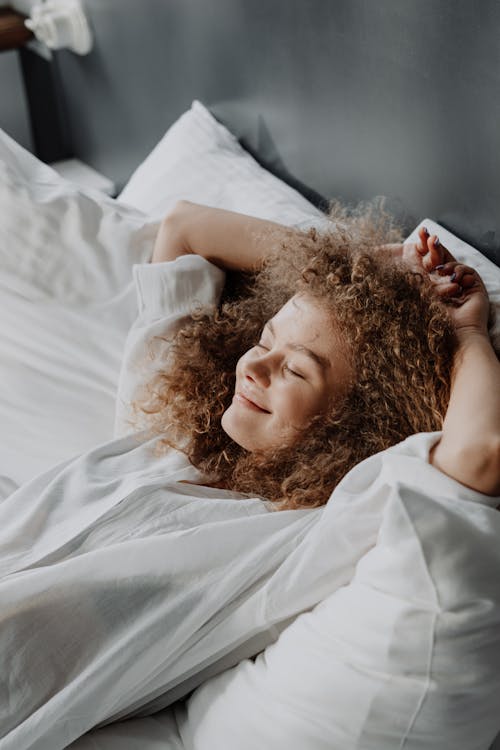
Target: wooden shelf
13	32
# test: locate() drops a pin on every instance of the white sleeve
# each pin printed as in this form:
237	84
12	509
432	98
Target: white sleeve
407	468
166	295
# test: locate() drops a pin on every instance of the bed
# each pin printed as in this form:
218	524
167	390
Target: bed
268	113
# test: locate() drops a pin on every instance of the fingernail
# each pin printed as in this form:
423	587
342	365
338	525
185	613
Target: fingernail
438	268
453	276
425	230
436	242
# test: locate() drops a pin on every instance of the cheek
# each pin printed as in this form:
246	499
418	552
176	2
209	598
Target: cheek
296	401
302	406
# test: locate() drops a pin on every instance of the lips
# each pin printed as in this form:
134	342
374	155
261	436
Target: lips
248	402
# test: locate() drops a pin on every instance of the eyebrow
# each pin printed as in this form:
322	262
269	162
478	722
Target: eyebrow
318	359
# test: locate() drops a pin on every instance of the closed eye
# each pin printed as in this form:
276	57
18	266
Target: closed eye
287	368
293	372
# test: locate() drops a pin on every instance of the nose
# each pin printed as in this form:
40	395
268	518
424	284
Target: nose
258	371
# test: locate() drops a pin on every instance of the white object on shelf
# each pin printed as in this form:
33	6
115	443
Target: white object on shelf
61	23
80	173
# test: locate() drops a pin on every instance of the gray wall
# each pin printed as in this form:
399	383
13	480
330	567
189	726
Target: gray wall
354	97
13	109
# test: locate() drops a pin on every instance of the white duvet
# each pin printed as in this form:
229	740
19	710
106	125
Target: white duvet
124	585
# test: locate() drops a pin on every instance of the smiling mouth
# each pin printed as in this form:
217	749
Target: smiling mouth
244	401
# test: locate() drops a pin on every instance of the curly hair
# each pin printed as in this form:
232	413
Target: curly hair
401	344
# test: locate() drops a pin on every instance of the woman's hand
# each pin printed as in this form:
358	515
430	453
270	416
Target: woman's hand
458	285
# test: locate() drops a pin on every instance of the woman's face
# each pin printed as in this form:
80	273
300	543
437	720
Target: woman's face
298	369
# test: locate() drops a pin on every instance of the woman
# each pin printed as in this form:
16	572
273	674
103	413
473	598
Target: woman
338	354
130	574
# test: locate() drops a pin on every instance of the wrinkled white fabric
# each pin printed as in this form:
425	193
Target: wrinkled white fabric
371	648
114	567
166	294
67	301
406	655
113	573
123	585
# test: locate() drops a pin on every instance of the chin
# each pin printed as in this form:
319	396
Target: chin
240	436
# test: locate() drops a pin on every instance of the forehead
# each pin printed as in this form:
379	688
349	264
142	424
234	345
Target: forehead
303	316
303	324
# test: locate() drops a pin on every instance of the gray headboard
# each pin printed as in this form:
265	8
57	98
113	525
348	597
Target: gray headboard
349	98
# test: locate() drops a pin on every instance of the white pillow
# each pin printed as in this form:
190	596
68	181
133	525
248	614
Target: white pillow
211	167
406	655
67	303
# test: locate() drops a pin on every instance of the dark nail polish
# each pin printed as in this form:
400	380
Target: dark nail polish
436	242
453	276
425	230
438	268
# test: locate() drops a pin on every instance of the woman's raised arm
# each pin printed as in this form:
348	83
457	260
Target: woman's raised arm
231	240
469	449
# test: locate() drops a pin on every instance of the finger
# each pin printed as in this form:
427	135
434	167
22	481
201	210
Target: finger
436	252
449	290
431	257
468	280
458	271
423	235
462	273
447	256
440	251
446	269
445	285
